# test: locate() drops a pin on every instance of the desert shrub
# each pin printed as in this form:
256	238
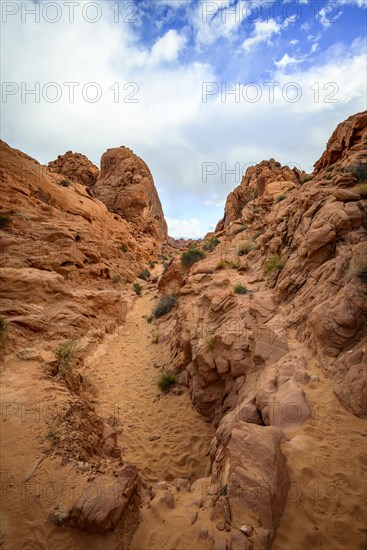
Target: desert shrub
240	289
210	245
65	353
209	341
223	490
361	189
144	274
64	183
359	170
56	431
4	221
221	265
155	338
244	248
165	266
309	178
165	304
274	263
150	319
137	288
166	380
240	229
3	327
256	209
151	265
280	198
191	256
357	268
123	248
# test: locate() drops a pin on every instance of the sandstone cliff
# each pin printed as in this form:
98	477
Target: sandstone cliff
280	296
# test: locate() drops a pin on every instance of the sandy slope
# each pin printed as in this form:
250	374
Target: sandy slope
125	378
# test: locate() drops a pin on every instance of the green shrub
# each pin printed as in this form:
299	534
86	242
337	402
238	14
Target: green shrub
274	263
240	229
240	289
280	198
64	183
309	178
151	265
56	431
65	353
144	274
3	327
123	248
329	168
359	170
166	380
361	189
191	256
165	304
210	245
137	288
150	319
224	263
4	221
244	248
256	209
357	268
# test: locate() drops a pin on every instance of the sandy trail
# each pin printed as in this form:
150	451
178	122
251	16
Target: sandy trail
126	381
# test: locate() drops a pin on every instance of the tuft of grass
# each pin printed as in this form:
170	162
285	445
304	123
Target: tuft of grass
256	209
155	338
224	263
240	229
280	198
210	245
359	170
257	234
56	431
137	288
240	289
274	263
361	189
150	319
166	380
165	304
309	178
4	221
123	248
65	353
3	328
64	183
244	248
191	256
209	342
144	275
357	268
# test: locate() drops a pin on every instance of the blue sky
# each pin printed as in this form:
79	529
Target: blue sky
199	89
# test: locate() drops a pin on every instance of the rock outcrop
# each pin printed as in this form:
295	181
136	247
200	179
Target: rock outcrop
126	186
75	167
265	182
64	256
283	287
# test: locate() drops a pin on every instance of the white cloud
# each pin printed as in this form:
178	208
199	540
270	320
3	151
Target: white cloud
185	228
286	60
263	31
168	47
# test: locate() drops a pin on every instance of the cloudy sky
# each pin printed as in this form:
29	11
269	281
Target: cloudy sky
200	89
